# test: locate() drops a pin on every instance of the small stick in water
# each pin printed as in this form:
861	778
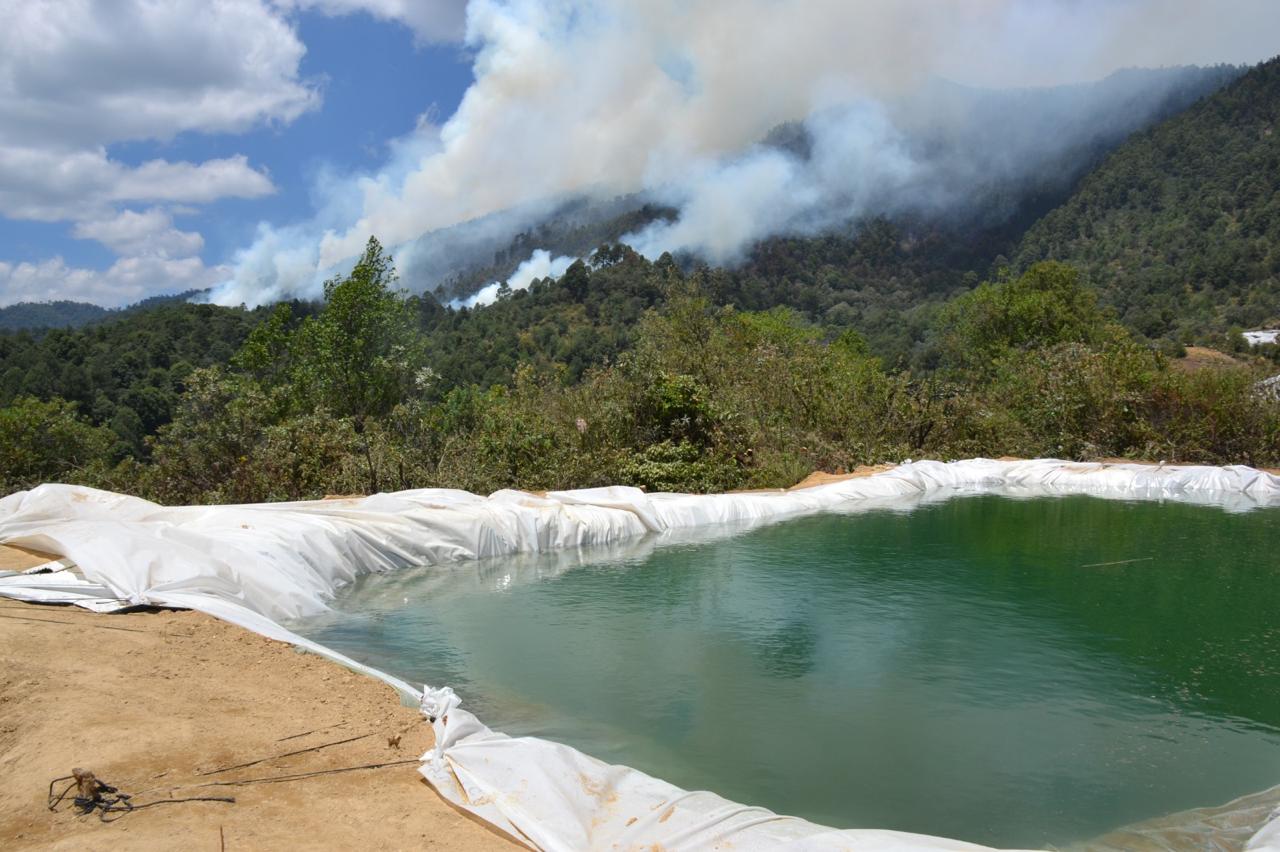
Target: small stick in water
1118	562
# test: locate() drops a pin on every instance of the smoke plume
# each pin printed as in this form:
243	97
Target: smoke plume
672	101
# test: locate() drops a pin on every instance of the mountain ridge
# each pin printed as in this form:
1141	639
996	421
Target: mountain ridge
67	313
1179	228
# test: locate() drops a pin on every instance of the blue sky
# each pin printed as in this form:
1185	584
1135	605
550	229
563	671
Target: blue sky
371	78
252	146
375	82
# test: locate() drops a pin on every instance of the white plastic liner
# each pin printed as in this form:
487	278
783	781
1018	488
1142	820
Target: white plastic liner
255	564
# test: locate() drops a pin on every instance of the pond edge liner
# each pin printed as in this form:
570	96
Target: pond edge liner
253	565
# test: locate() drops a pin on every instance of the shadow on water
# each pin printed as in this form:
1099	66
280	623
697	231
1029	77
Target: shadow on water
1012	672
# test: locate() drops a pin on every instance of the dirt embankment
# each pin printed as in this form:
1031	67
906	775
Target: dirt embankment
154	703
1202	358
819	477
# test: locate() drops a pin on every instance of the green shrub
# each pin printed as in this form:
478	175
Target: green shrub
679	466
1214	417
50	442
1045	306
1070	401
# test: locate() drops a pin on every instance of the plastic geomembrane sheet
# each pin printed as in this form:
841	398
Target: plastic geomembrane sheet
254	565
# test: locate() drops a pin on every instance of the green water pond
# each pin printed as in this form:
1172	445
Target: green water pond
1014	672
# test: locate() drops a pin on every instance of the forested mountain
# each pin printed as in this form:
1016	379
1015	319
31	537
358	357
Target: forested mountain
59	314
881	275
126	372
63	313
1180	227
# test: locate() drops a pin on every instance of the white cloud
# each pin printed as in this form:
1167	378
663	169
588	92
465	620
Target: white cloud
85	188
430	20
149	232
160	180
84	73
77	76
127	280
53	186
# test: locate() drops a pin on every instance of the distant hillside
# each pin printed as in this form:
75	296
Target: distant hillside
1002	154
127	370
1180	226
152	302
884	276
34	316
61	314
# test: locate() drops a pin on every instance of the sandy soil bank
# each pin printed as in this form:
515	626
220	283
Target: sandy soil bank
14	558
149	701
819	477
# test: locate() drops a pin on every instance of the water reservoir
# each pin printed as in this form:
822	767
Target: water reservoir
1014	672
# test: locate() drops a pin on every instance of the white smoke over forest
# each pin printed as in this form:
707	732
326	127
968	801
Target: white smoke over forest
539	265
669	100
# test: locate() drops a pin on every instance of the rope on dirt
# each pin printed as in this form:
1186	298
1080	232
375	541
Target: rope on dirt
108	802
286	754
312	731
276	779
75	623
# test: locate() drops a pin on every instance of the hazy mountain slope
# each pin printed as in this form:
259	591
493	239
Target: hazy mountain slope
60	314
883	275
35	316
1180	226
575	229
990	162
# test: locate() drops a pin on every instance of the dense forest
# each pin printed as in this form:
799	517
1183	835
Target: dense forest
697	396
868	344
1180	228
126	374
59	314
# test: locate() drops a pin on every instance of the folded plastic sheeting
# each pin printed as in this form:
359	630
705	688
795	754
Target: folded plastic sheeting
253	565
557	798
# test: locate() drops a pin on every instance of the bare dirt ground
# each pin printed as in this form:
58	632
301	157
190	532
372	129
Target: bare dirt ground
14	558
819	477
155	702
1202	358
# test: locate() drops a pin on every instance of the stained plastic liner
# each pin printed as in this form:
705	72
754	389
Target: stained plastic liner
255	564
